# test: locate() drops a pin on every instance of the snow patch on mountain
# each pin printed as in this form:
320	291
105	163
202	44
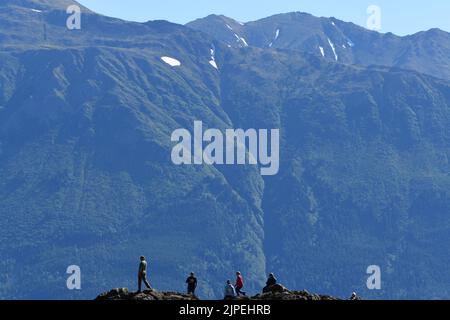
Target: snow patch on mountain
213	64
240	39
171	61
333	48
322	51
277	34
36	10
229	27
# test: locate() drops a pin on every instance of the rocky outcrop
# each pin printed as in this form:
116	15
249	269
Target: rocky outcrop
280	292
275	292
147	295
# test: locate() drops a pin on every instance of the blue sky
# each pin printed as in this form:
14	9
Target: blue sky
398	16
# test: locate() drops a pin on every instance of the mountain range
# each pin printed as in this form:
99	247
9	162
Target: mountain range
86	176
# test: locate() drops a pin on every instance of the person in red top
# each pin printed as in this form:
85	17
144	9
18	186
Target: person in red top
239	284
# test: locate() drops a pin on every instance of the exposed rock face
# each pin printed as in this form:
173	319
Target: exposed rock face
146	295
276	288
279	292
275	292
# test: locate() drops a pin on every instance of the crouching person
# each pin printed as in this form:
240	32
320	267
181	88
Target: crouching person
230	291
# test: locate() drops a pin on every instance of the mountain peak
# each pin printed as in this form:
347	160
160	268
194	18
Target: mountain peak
333	40
437	31
217	18
222	28
41	4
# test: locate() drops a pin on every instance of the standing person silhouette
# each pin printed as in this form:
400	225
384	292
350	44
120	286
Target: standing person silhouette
142	274
191	284
239	284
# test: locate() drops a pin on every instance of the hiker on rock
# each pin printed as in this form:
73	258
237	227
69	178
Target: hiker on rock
229	291
191	284
142	274
239	284
354	297
271	281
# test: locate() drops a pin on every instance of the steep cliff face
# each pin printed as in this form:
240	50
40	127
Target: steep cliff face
86	176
